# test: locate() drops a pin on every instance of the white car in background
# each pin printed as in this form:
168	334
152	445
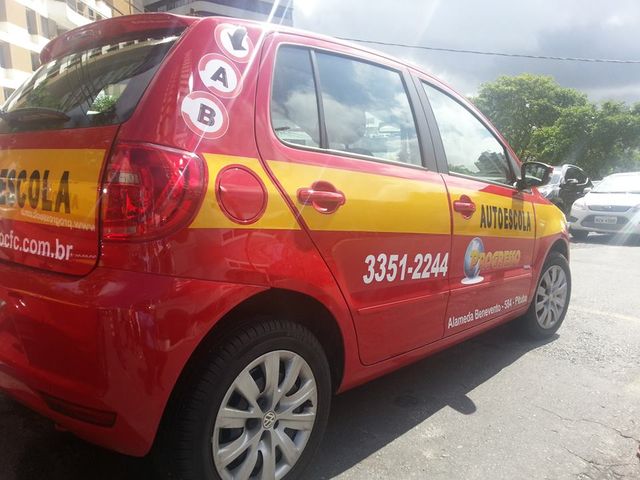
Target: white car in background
613	206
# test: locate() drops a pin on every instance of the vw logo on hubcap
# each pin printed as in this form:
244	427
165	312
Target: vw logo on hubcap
268	420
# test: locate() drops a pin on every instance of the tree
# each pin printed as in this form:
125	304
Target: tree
546	122
520	105
601	139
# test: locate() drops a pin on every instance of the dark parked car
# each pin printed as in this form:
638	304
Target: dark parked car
567	184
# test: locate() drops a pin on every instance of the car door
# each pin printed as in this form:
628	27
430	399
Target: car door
493	222
340	137
572	186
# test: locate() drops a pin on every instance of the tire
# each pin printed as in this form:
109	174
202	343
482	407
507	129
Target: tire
579	234
550	300
200	437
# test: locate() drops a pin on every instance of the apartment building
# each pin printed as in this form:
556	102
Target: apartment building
27	25
281	11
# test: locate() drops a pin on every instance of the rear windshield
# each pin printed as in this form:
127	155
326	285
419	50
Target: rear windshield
101	86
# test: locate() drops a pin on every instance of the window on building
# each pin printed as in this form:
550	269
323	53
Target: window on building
294	107
470	147
3	11
32	24
5	55
35	60
366	110
44	27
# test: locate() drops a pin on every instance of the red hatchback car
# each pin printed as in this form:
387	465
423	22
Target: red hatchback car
208	226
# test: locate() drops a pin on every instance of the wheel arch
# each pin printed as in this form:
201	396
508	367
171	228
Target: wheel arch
294	306
546	245
561	246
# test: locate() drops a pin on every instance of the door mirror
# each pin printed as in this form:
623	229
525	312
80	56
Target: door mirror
534	174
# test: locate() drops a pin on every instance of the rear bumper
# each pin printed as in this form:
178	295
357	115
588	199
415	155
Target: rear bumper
110	345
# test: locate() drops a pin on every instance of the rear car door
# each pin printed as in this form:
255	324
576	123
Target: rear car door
493	222
340	137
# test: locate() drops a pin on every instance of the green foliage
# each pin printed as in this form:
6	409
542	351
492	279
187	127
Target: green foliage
41	97
546	122
104	103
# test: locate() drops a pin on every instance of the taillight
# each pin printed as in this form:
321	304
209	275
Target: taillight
150	191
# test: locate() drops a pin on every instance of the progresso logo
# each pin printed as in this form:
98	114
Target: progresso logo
476	259
471	262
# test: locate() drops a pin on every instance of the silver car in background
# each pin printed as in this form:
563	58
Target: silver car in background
613	206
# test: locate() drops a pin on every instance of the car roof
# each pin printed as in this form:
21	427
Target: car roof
157	20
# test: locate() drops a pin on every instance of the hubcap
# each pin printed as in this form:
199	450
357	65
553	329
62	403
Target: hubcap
551	297
266	418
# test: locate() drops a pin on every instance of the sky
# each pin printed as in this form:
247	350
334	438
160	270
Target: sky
566	28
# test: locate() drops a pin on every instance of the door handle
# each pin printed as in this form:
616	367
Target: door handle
465	206
322	196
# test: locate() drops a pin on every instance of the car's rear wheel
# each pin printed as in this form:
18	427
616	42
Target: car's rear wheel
257	409
550	299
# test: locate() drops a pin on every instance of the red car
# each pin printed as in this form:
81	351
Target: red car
209	226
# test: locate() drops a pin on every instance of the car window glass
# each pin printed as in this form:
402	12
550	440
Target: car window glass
571	174
294	108
470	148
101	86
367	110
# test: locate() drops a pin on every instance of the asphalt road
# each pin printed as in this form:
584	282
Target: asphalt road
496	407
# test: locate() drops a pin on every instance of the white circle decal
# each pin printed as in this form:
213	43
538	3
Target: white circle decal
234	41
220	76
205	115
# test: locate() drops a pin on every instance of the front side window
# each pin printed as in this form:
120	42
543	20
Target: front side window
575	174
470	147
367	110
294	107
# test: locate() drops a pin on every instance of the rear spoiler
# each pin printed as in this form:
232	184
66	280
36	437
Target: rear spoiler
117	29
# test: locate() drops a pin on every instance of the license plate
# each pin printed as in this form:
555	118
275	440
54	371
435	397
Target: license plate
607	220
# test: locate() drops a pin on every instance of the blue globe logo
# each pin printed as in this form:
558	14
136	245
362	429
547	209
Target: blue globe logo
472	261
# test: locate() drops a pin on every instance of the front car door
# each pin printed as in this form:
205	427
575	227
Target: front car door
493	223
572	187
340	137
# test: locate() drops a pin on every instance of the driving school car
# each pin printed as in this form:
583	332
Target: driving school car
208	226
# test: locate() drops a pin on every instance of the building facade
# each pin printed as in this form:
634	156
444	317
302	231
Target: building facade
27	25
260	10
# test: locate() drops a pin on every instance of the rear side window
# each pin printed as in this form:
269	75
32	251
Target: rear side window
101	86
294	108
470	147
365	107
367	110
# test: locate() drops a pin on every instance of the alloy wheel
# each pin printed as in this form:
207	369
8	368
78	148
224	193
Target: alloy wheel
551	297
266	418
